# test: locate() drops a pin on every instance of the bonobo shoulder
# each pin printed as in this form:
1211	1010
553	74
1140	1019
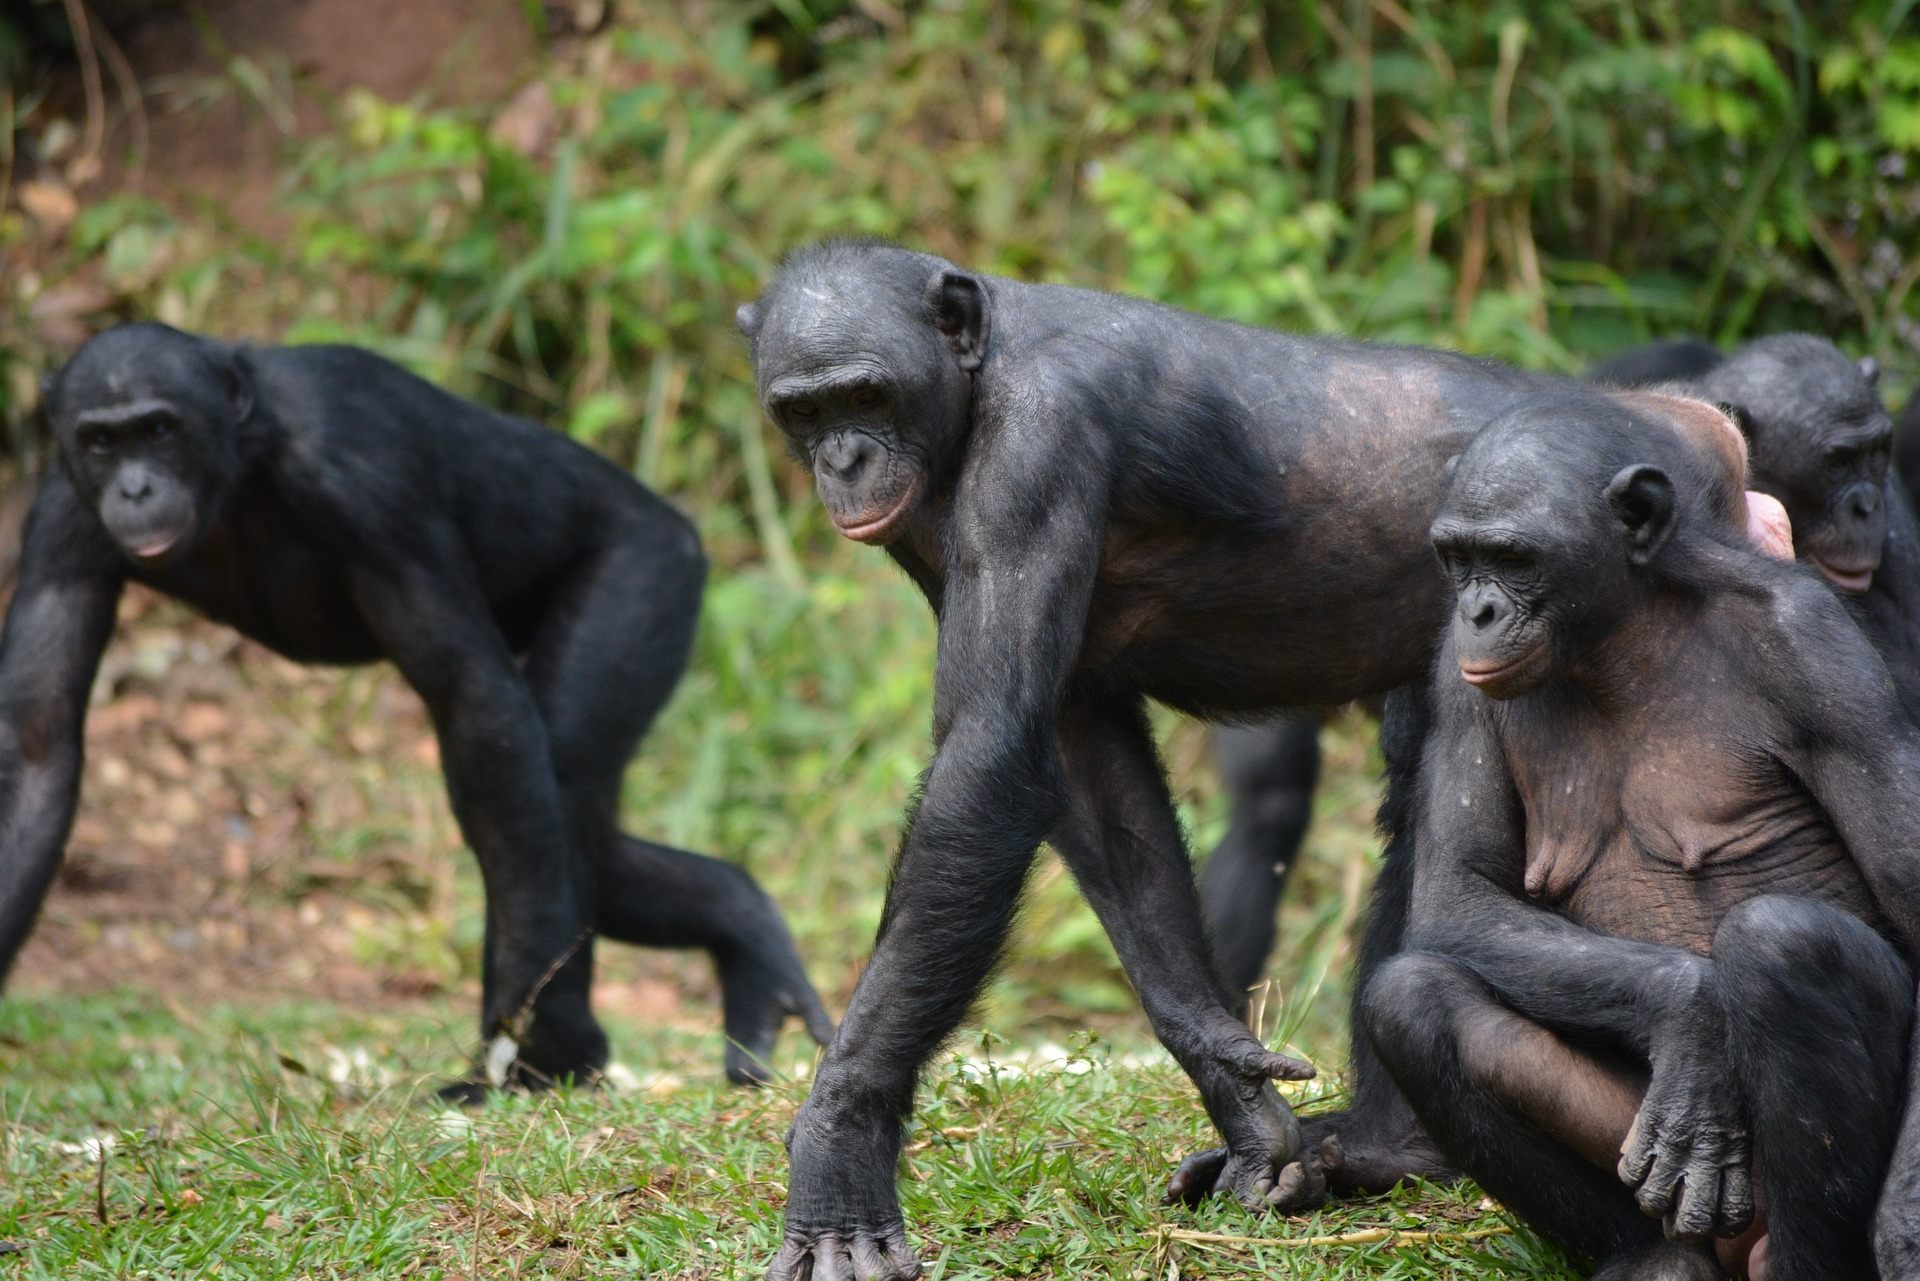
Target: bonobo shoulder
1811	655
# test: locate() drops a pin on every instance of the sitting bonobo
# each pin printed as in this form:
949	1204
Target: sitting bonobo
1658	959
337	509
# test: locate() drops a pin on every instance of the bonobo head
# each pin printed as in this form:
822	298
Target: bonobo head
1555	513
865	355
147	419
1821	441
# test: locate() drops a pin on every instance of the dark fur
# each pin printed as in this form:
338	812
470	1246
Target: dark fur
1691	751
339	510
1105	501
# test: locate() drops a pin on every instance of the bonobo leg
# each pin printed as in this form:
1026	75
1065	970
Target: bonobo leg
1269	772
1818	1010
604	661
1810	995
1376	1141
1122	840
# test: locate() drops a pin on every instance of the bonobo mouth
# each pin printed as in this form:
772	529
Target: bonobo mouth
1496	678
1853	581
156	546
876	530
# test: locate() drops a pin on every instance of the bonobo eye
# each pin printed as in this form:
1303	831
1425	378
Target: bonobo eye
866	396
159	428
804	411
1509	560
97	441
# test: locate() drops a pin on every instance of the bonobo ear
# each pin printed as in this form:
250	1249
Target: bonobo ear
1642	497
1741	419
747	316
1870	370
239	384
959	304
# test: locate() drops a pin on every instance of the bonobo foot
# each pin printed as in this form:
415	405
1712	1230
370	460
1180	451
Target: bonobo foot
1235	1077
1668	1261
843	1219
1334	1156
759	990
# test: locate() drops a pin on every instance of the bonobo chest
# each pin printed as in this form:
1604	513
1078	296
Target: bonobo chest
1655	829
259	574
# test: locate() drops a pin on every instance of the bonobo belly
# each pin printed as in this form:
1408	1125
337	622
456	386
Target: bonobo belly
1224	627
1636	892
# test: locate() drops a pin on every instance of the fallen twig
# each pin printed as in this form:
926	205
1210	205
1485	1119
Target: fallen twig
1366	1236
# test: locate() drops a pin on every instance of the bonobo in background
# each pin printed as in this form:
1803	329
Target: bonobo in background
1653	746
1104	501
337	509
1821	442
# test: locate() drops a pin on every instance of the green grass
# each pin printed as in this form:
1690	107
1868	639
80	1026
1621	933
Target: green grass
299	1140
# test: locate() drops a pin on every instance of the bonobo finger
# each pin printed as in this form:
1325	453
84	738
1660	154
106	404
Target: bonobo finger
1657	1191
794	1262
1736	1196
1251	1188
1280	1067
1332	1155
831	1260
1696	1204
1635	1155
906	1264
1197	1177
1300	1187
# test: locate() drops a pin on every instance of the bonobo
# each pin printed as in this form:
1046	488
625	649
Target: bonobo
1658	961
1104	501
1821	442
337	509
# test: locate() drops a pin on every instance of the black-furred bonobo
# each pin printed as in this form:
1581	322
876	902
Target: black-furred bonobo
337	509
1104	501
1659	955
1820	442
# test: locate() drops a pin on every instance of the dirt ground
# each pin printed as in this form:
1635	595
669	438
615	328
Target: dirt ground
249	827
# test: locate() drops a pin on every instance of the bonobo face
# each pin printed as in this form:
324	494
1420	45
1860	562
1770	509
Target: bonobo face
865	364
145	416
1534	548
1821	443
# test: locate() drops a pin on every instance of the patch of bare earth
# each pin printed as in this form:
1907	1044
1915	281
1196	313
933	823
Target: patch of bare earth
249	827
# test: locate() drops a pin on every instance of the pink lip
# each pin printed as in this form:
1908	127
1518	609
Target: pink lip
1478	676
1857	580
161	548
872	531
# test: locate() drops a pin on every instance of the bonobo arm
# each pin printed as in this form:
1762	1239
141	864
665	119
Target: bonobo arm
1687	1158
58	624
1024	542
1859	754
425	607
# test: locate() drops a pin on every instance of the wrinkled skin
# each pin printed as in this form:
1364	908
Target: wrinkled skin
338	510
1655	974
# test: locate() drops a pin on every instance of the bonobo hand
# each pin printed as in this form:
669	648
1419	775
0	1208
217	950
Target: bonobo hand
1687	1157
843	1219
1258	1165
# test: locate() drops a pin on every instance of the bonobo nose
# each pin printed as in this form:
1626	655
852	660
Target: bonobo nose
1482	608
136	489
1866	502
846	456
